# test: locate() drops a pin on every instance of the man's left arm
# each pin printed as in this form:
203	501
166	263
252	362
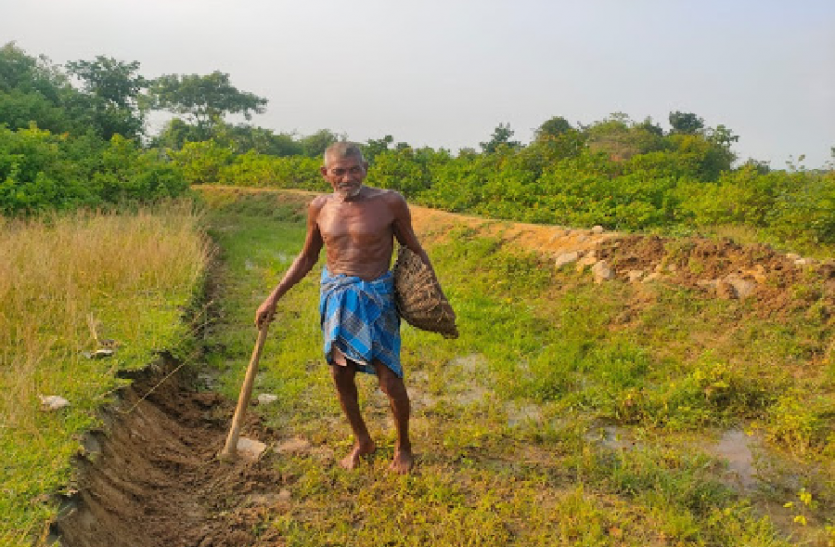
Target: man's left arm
403	230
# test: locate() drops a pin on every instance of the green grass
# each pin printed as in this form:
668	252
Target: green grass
63	283
506	418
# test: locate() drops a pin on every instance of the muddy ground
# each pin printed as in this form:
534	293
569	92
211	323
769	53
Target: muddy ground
151	478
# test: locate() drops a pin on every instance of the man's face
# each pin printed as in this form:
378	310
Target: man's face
345	175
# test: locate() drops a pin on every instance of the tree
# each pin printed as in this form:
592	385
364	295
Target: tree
375	147
314	145
501	136
686	123
33	90
203	100
114	89
552	128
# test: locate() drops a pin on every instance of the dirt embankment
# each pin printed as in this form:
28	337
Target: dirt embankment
772	282
152	479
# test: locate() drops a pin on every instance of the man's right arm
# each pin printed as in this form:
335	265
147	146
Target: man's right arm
300	267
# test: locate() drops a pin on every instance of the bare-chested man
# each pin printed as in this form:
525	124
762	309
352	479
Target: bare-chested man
357	225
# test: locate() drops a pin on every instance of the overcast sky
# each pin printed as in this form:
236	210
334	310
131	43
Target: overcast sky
445	73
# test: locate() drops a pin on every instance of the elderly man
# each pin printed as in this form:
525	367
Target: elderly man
357	225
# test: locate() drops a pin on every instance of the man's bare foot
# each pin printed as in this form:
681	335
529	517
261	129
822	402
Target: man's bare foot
352	460
403	461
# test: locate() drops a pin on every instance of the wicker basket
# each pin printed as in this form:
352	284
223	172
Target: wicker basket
419	298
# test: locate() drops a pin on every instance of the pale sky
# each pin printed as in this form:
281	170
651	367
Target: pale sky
445	73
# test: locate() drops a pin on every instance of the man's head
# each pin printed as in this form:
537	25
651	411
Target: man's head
344	168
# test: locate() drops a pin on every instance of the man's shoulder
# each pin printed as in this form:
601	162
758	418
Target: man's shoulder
389	196
319	201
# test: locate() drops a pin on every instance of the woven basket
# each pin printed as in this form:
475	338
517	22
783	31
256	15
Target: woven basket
419	298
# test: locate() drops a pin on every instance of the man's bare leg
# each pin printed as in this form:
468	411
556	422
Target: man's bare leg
346	387
394	387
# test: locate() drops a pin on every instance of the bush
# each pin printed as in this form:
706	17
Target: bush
41	171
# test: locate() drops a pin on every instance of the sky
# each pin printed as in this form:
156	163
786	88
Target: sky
445	73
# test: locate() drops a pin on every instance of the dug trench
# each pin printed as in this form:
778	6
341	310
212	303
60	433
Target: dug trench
150	477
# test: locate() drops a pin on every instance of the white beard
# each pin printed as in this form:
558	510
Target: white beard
347	194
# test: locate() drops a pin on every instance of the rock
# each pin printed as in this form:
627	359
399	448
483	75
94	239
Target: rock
597	230
582	238
53	402
284	495
742	287
800	262
792	256
602	272
566	258
267	398
250	449
635	275
98	354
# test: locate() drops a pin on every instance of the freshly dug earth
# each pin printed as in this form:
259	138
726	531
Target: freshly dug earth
152	478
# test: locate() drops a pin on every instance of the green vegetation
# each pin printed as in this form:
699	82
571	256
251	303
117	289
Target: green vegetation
551	420
618	173
68	284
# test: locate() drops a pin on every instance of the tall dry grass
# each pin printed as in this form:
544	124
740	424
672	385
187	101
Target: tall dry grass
66	282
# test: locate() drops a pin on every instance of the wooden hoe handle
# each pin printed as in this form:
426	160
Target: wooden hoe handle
230	451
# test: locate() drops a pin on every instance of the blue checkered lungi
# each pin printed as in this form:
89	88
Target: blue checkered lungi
360	319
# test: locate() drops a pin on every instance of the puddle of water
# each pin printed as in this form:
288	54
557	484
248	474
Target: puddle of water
735	448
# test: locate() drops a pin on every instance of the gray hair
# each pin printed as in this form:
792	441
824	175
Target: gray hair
343	149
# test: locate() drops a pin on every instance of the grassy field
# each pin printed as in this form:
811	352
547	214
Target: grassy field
70	285
567	413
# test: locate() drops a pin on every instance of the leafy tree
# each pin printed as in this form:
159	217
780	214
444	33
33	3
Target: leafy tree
375	147
33	90
314	145
203	100
620	138
552	128
501	137
686	123
114	89
244	137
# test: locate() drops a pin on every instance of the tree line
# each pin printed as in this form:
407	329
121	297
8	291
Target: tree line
75	135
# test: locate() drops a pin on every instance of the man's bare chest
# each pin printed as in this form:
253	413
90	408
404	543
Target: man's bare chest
356	222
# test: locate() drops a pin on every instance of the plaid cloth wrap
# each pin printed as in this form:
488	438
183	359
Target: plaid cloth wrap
360	319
